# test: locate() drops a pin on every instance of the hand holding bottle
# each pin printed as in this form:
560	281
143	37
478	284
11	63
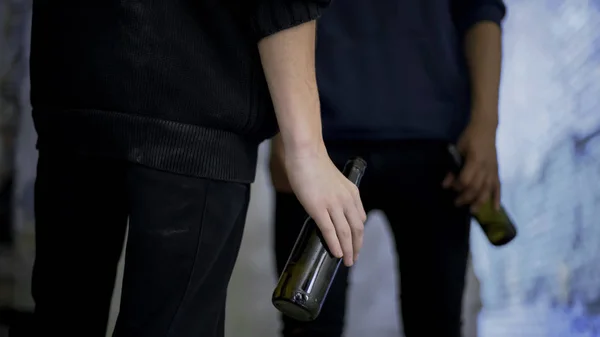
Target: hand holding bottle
310	270
478	179
330	199
493	219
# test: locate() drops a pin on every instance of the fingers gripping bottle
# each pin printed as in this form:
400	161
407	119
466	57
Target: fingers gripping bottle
311	268
496	224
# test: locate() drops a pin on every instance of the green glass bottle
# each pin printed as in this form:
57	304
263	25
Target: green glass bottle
311	268
496	224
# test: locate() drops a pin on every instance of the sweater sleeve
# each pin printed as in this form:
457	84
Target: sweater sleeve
272	16
467	13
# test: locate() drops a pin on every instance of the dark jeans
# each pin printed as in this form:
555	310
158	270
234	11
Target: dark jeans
183	240
431	235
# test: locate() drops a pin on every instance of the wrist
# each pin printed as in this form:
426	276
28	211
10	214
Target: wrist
487	118
304	138
304	148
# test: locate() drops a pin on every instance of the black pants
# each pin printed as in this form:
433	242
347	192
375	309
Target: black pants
432	237
183	240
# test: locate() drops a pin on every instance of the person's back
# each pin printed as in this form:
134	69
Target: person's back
160	83
399	81
149	115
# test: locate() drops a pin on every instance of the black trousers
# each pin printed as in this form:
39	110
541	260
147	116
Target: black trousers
431	235
183	240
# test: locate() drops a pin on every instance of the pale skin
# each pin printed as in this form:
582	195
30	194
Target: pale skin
288	59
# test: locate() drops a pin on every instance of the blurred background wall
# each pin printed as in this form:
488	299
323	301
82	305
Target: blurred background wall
14	88
546	283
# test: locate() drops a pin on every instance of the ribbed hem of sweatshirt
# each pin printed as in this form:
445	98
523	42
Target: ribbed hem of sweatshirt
174	147
495	11
273	16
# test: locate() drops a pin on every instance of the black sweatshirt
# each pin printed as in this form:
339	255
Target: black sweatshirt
175	85
395	69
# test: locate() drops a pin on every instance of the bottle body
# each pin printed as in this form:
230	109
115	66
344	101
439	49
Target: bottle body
496	224
311	268
307	276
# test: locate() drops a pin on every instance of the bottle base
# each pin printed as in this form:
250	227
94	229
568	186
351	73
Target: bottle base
503	241
294	310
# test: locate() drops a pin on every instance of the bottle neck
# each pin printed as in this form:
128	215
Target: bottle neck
354	170
354	174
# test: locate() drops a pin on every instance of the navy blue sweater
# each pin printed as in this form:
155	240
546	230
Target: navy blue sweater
395	69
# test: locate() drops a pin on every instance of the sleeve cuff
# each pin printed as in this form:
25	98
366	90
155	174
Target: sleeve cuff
489	12
273	16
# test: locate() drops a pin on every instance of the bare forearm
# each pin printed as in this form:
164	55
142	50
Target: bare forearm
288	59
483	43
